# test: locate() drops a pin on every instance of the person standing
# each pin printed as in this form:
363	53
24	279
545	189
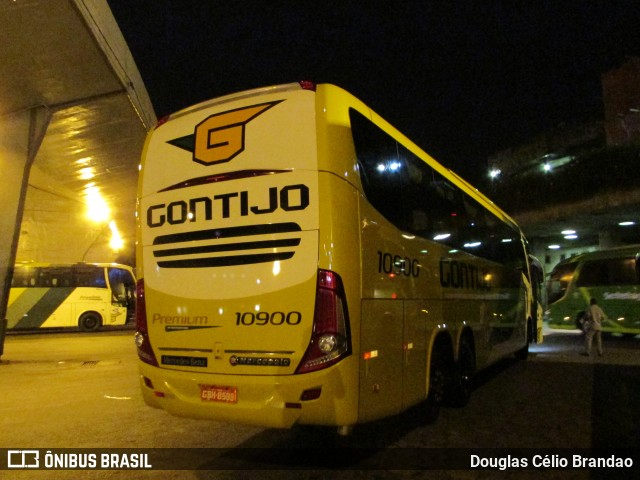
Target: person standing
593	327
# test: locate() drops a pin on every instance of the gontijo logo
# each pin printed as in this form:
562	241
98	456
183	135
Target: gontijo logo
220	137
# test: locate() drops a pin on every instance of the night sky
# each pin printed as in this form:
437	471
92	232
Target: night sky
462	79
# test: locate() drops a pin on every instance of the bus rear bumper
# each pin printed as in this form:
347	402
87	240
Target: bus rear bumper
266	401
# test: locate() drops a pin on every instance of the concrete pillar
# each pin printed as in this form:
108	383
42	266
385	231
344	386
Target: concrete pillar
21	134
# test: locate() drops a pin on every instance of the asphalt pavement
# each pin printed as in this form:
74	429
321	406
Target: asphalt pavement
76	390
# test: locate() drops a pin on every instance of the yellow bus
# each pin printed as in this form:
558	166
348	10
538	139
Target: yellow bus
303	262
87	296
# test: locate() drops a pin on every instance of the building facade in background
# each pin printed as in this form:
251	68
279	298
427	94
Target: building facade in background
581	169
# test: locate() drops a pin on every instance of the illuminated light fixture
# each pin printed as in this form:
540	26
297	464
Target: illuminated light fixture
97	208
554	247
116	243
626	224
87	173
472	244
507	240
568	232
571	237
392	166
442	236
546	167
494	172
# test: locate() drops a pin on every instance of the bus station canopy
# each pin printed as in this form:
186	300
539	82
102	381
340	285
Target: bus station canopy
67	71
74	113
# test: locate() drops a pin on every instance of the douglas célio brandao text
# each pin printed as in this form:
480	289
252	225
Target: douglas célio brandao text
507	462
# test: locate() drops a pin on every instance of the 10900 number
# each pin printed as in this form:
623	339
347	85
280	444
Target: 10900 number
398	265
266	318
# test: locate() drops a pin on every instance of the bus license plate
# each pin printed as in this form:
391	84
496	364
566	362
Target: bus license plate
216	393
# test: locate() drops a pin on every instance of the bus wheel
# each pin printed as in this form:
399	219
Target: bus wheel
461	384
90	322
437	384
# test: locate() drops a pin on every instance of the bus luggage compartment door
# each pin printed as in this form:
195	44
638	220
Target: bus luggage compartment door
381	359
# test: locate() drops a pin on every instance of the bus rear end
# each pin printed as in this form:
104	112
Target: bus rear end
236	321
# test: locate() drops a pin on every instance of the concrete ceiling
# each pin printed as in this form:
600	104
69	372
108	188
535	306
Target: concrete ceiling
69	57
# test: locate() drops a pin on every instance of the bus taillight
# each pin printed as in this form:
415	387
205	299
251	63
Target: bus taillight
145	352
330	340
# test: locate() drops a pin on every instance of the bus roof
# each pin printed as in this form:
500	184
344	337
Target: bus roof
617	252
71	264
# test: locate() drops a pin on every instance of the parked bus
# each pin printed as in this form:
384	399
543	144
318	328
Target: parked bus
302	262
83	295
610	277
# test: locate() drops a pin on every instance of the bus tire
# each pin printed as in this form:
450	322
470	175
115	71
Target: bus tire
89	321
438	378
461	384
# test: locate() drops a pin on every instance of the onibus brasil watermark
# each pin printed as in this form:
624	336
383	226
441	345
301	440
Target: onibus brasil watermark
38	459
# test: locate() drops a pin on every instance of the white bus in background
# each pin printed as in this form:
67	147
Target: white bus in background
83	295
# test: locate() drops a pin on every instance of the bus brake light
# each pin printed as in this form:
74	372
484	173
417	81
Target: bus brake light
330	340
145	352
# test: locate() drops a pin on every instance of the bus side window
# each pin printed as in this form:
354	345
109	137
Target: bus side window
23	277
623	272
436	205
381	169
90	276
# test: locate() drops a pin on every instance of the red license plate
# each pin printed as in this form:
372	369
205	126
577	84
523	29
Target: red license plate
217	393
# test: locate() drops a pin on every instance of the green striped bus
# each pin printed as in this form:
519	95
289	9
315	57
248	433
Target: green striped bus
610	277
82	295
